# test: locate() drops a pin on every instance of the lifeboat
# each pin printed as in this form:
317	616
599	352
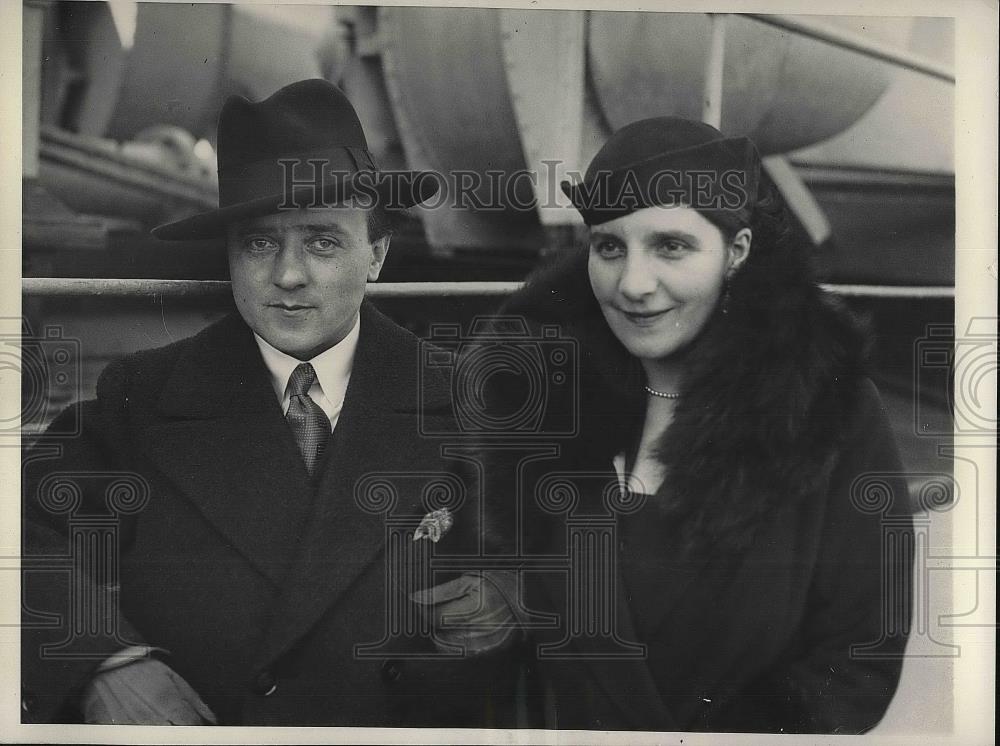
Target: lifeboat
128	110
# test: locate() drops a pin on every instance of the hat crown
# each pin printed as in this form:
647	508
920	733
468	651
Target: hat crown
301	147
300	119
649	138
667	161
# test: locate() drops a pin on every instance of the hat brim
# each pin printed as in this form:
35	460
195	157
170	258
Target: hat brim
393	190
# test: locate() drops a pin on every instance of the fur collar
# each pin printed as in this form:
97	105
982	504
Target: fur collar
766	399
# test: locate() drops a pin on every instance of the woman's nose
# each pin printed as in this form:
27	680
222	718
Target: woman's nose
637	279
289	269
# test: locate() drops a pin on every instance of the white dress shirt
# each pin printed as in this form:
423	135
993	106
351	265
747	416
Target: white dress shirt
333	372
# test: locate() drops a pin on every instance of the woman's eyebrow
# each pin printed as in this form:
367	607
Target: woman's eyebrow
658	236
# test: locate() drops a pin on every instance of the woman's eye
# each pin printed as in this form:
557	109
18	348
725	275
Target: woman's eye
260	244
608	249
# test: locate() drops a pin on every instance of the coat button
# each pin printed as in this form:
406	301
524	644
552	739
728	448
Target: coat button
264	684
392	672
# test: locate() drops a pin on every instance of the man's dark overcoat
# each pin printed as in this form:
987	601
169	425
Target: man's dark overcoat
259	580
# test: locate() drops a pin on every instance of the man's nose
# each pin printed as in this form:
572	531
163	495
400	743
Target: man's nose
289	270
637	278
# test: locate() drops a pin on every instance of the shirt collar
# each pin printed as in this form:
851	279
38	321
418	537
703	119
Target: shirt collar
332	366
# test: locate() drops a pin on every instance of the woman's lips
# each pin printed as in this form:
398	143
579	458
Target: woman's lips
644	318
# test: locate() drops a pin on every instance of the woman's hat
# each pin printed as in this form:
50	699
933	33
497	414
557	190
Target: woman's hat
667	161
301	147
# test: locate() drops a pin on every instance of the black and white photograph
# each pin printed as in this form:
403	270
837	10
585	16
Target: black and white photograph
499	373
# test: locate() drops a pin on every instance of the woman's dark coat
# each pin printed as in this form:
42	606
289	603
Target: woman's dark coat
779	596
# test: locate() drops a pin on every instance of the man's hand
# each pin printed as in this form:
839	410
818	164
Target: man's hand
474	612
143	692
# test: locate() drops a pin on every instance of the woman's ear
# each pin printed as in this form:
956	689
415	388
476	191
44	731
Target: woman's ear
739	249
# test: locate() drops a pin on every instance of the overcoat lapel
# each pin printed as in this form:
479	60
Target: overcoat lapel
377	424
220	437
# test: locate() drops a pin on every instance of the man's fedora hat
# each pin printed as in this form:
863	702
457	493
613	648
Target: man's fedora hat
301	147
667	161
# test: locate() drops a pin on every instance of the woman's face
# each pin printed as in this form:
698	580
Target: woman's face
658	273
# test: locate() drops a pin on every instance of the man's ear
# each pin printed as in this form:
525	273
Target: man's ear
380	249
739	249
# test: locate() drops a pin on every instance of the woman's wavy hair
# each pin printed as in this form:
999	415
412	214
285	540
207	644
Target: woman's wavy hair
766	389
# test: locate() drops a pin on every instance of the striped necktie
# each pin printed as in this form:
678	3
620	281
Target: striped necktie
308	421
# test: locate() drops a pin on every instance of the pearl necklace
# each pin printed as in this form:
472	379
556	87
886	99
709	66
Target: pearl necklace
661	394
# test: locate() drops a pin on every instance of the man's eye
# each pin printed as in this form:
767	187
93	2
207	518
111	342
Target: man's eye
673	247
323	244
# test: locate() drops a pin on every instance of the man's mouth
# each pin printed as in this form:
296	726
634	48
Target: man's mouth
290	307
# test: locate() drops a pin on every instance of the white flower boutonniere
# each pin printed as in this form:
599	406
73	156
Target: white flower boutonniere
434	525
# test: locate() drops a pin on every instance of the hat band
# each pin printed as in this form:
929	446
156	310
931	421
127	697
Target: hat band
283	175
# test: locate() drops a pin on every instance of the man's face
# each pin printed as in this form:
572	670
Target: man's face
299	276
